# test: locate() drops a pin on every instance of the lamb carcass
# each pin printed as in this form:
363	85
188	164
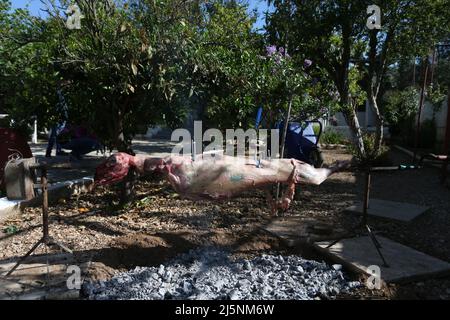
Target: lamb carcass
218	177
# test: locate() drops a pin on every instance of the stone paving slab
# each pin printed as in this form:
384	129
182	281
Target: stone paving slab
405	263
389	209
37	280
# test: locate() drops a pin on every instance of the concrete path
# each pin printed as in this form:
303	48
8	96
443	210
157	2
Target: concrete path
67	177
86	167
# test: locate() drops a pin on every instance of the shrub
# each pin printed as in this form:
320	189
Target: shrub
400	105
371	157
333	137
316	129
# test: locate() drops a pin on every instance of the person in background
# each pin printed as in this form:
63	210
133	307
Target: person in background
79	140
62	117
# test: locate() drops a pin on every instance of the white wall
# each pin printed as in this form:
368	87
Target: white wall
440	118
366	121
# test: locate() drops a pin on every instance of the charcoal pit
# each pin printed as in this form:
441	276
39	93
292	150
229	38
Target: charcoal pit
212	273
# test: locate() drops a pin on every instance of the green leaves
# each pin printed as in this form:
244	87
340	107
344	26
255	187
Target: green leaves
11	229
399	105
27	78
127	65
334	35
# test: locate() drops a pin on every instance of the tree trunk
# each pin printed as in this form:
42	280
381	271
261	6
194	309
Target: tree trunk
350	116
342	83
353	122
374	84
120	142
126	187
379	123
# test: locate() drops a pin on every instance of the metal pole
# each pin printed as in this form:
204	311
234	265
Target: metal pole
446	145
46	239
35	131
44	205
286	123
365	216
433	62
422	98
283	138
366	197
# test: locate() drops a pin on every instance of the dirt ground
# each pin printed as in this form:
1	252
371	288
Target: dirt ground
159	224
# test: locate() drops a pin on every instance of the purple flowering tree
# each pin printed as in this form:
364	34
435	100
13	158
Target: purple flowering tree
283	81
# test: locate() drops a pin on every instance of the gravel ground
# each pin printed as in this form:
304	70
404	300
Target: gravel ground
159	224
212	273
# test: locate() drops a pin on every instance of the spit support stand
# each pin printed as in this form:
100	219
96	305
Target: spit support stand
46	239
